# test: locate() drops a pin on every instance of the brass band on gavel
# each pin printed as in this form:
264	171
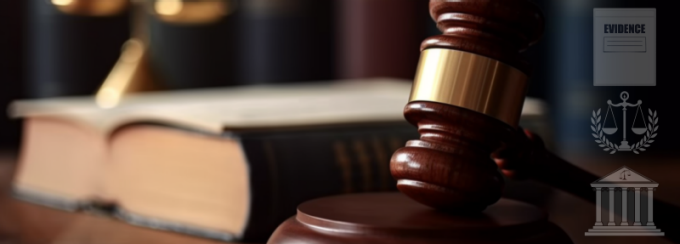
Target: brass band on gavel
470	81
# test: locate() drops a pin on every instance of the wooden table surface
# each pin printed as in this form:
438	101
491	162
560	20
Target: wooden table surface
26	223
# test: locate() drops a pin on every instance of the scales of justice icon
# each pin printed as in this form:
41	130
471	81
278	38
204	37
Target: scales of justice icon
637	130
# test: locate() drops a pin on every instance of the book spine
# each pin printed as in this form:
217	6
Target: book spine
288	168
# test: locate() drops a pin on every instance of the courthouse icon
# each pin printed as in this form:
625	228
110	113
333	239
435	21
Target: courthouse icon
625	181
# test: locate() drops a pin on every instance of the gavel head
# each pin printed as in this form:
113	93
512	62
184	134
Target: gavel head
466	100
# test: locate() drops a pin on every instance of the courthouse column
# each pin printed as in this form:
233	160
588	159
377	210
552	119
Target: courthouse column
611	207
598	206
637	206
624	206
650	206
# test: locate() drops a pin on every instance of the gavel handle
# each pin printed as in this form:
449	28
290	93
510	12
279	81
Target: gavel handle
544	166
557	172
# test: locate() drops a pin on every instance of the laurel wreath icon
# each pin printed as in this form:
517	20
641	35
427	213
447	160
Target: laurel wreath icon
612	148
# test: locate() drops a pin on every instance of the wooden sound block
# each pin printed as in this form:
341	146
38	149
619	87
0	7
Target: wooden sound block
395	218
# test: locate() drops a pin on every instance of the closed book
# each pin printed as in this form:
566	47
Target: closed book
228	164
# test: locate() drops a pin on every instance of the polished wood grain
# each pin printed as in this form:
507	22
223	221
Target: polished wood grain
395	218
450	167
496	29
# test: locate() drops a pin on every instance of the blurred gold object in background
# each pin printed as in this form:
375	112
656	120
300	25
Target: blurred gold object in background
132	72
129	74
192	12
91	7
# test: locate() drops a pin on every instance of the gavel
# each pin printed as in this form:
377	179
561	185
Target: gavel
466	101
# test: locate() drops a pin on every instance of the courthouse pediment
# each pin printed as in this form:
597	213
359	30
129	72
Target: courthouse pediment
628	181
624	176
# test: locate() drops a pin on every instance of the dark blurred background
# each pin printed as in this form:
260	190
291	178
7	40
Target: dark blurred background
563	76
49	52
51	49
12	15
46	51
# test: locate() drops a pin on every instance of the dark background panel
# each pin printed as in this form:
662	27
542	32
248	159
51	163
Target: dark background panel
11	66
564	76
